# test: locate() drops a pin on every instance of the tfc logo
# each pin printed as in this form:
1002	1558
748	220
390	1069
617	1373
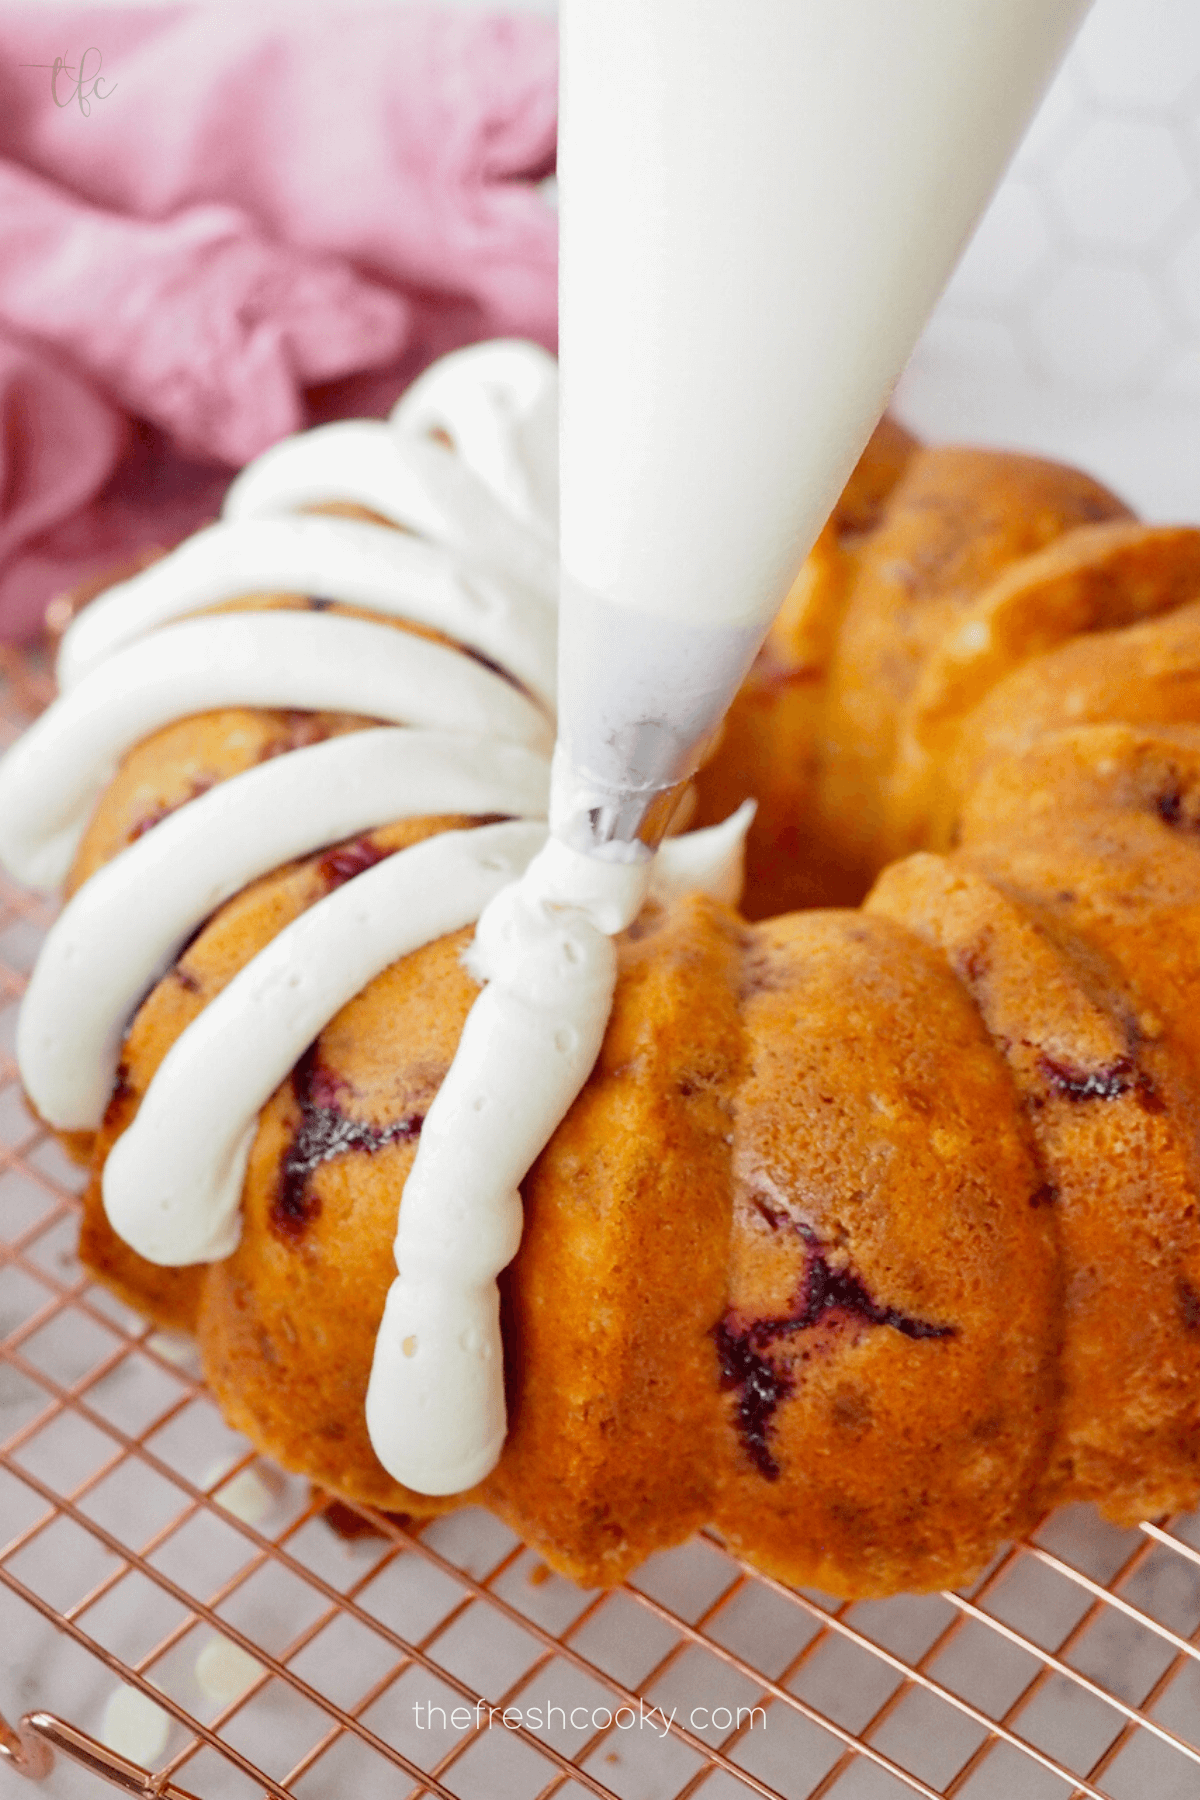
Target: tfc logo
86	85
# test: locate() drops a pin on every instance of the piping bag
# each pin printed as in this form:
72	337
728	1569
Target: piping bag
760	200
760	204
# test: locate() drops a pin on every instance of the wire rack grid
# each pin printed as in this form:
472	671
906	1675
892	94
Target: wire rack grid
179	1619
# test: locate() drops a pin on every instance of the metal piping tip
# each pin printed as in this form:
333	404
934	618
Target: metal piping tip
615	824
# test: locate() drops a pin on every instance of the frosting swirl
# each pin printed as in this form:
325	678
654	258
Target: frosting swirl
465	467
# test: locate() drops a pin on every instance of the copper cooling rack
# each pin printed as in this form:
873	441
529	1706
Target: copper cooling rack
178	1619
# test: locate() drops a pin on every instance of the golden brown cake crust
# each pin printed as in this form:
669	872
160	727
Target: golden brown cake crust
893	1277
814	733
872	1233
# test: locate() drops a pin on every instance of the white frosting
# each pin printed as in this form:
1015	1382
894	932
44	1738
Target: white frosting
173	1180
388	571
482	571
712	861
494	399
416	482
126	925
435	1404
52	777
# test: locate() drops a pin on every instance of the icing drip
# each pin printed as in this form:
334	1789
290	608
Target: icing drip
435	1404
475	559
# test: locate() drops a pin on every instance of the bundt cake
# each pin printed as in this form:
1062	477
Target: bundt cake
873	1232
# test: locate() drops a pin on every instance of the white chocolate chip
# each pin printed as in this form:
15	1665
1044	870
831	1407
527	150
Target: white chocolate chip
249	1495
972	637
135	1726
173	1347
224	1670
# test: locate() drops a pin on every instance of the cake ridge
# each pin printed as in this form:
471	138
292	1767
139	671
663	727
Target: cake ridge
974	1094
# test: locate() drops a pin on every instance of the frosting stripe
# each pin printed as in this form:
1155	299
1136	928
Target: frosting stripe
128	922
53	775
414	482
173	1180
341	559
498	403
435	1402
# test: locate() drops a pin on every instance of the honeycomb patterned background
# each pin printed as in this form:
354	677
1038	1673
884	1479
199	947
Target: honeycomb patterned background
1073	323
1072	327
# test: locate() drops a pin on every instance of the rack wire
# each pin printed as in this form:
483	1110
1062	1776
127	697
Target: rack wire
179	1619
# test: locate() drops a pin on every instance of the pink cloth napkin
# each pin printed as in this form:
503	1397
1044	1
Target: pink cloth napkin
217	227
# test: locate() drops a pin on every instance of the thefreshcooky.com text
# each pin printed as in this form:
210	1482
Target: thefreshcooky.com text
580	1718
